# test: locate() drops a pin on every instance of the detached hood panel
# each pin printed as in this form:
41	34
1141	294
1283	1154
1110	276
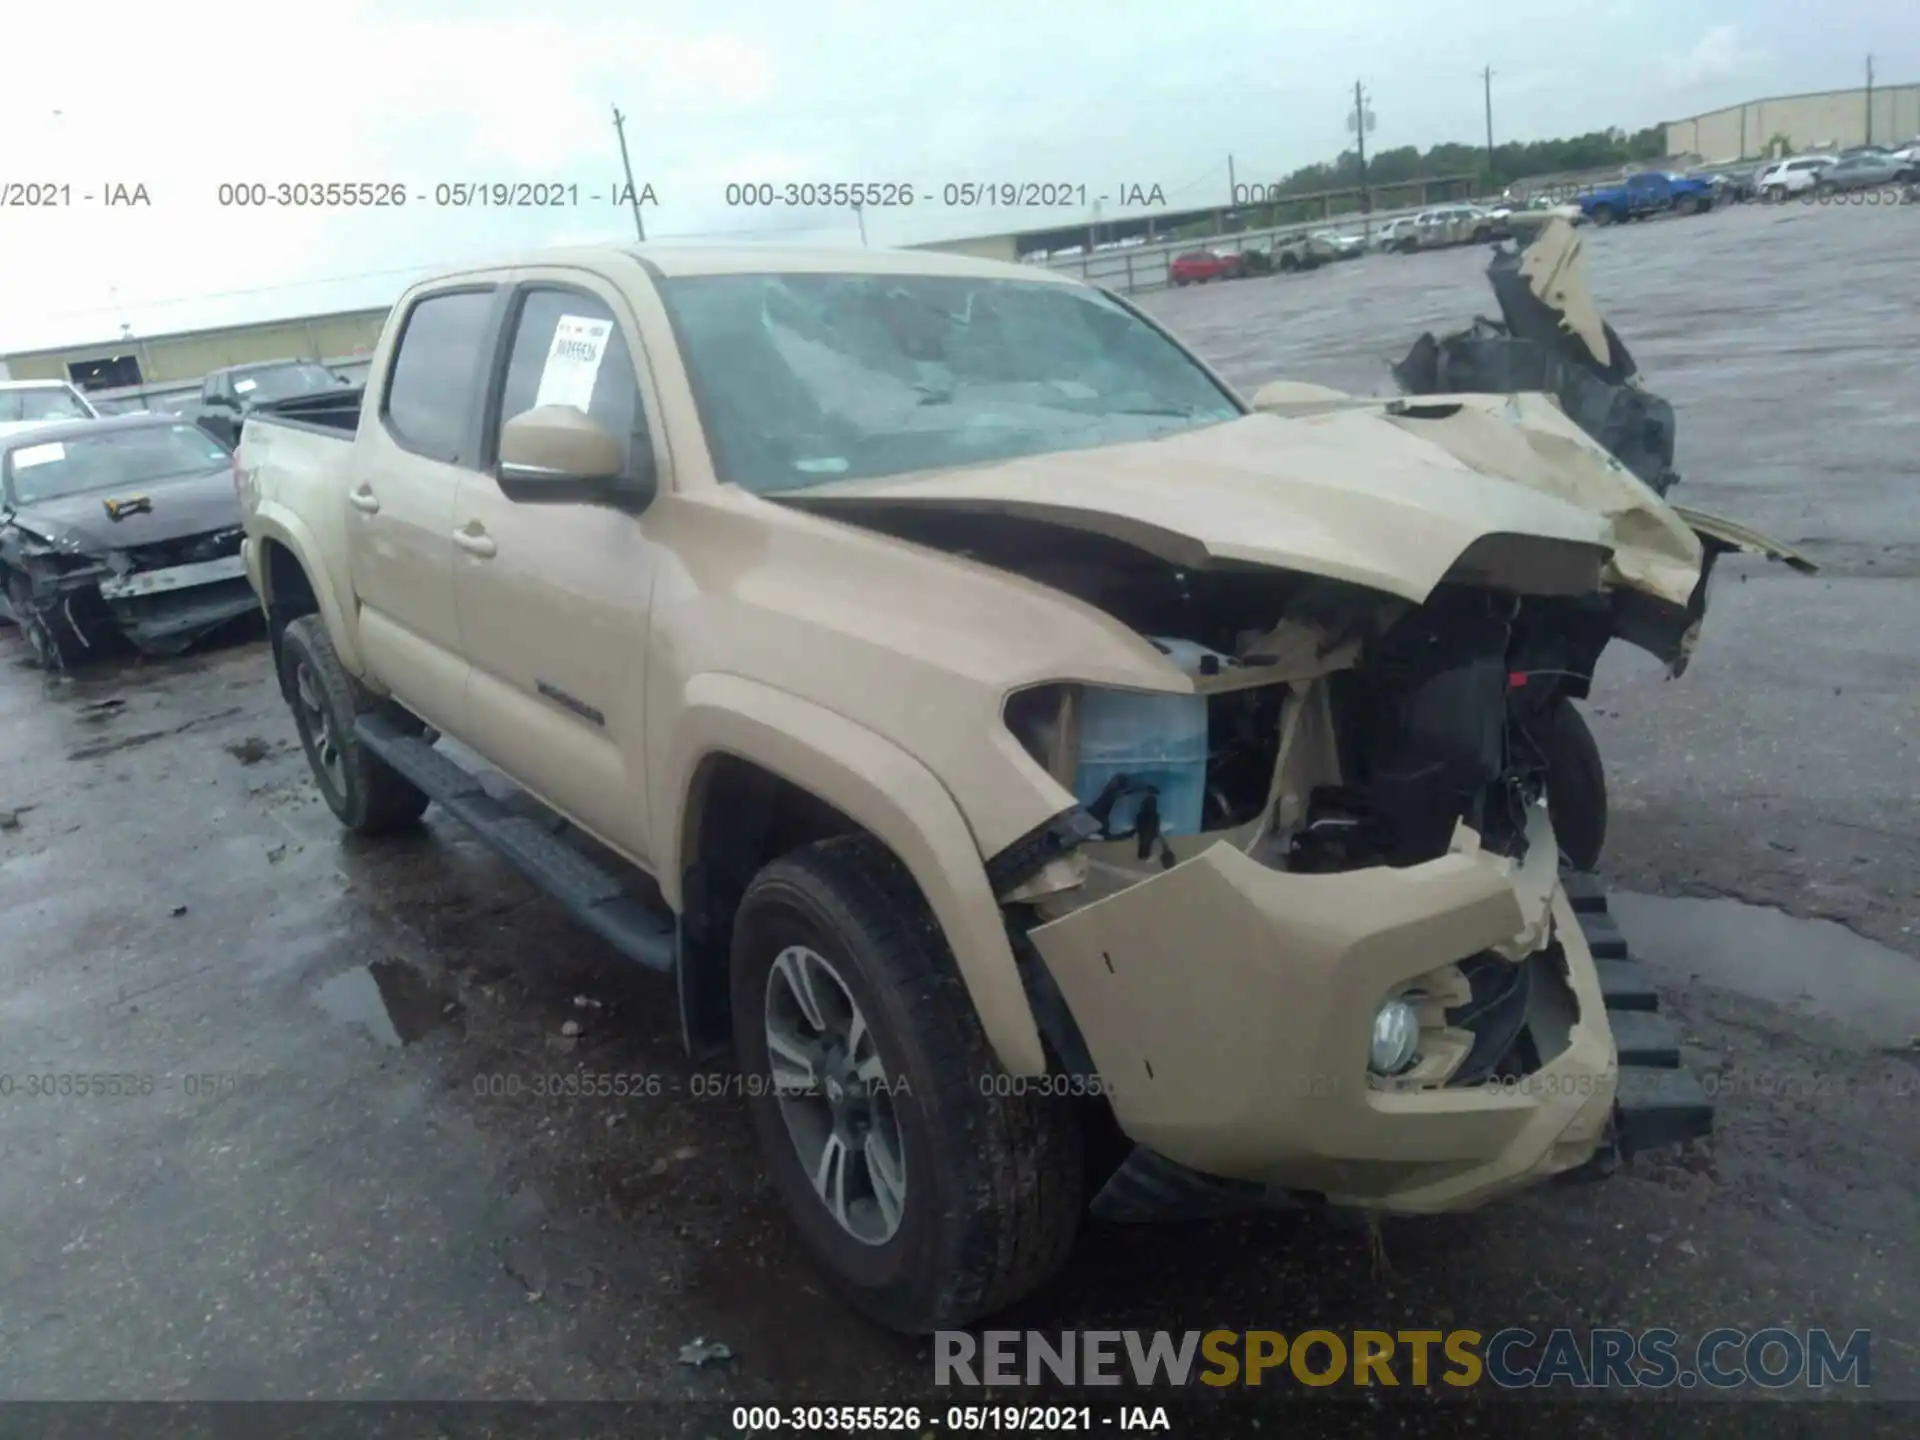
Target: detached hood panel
1366	503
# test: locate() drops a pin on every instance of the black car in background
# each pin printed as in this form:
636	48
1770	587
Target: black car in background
122	528
227	396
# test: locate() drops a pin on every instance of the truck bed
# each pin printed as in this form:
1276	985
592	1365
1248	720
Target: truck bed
335	412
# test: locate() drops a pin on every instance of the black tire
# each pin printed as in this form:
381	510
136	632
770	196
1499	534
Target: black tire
995	1183
55	644
1576	787
1289	263
1604	215
368	796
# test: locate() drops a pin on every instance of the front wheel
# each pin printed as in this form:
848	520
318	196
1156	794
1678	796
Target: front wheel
55	643
367	795
1604	215
1576	787
930	1194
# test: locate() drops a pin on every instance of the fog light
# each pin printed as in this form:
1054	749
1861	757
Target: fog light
1396	1036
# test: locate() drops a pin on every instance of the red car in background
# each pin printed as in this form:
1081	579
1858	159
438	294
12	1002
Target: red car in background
1196	267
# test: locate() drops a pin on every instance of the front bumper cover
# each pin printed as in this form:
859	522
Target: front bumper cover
1226	1007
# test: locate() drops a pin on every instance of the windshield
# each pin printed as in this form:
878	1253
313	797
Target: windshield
50	403
109	460
279	382
804	379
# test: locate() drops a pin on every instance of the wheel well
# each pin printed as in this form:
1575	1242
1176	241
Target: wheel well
739	817
289	593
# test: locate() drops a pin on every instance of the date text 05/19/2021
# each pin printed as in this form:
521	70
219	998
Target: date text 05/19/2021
951	194
957	1419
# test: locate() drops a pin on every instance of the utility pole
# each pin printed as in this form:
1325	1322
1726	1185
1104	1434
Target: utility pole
1486	79
1360	122
1233	190
1869	99
620	129
860	214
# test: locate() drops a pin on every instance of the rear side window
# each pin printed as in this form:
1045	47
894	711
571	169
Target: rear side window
437	374
568	350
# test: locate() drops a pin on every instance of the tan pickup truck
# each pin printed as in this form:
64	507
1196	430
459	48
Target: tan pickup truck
1059	785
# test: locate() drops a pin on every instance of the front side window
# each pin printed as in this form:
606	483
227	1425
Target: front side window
436	374
568	350
805	379
110	460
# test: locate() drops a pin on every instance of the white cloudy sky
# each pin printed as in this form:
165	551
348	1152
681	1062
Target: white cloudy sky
1101	92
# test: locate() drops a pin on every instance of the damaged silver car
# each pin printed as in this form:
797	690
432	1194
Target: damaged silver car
118	529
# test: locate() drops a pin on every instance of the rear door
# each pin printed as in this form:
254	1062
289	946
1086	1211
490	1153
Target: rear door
553	597
422	435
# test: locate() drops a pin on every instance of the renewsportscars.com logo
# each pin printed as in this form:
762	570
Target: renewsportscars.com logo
1512	1359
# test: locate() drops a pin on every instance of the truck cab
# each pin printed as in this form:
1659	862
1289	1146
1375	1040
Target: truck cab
227	396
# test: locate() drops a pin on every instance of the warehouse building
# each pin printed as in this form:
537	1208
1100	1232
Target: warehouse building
156	366
1820	120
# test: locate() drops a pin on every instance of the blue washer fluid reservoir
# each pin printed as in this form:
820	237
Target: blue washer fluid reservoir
1153	740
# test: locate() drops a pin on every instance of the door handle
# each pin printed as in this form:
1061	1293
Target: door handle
475	542
364	499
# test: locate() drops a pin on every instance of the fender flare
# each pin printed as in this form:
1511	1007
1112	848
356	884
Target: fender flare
275	524
879	786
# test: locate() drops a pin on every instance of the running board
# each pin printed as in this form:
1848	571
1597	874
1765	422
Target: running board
596	897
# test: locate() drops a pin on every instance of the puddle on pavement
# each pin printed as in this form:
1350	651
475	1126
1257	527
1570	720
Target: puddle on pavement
390	1000
1818	967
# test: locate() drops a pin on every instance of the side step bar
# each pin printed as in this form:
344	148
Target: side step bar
1658	1102
597	897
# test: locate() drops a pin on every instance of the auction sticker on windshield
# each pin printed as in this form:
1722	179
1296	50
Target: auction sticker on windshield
573	362
39	454
241	387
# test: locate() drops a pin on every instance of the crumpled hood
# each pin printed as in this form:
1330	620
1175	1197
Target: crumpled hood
187	505
1338	494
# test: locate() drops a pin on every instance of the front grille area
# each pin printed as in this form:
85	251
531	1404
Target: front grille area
188	550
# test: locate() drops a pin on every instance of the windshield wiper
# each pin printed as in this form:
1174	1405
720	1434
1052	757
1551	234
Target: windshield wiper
1180	412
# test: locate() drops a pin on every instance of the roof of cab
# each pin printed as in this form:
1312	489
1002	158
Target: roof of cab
678	260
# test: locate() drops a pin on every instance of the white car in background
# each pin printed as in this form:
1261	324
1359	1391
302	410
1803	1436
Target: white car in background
1793	177
1393	234
27	403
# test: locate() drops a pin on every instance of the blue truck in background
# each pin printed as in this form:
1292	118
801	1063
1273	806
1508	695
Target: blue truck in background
1648	193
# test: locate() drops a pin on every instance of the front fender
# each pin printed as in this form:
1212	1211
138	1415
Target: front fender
879	786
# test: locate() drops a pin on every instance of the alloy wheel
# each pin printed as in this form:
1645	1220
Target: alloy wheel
832	1090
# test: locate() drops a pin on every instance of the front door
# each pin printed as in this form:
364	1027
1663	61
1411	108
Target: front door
405	473
553	597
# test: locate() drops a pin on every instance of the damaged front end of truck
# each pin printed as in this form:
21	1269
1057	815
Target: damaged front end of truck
1308	926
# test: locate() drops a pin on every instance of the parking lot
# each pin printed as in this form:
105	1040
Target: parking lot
316	1182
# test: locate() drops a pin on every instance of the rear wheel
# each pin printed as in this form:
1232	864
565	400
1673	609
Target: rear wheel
363	791
1686	205
930	1195
1576	787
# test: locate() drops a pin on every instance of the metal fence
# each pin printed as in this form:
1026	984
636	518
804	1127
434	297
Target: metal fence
1130	269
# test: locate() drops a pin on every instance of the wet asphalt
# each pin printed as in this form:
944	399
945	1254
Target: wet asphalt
297	1153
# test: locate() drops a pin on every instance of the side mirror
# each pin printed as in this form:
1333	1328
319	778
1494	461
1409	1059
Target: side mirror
557	453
